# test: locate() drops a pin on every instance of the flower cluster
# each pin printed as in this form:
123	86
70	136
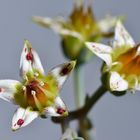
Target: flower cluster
122	61
81	26
37	94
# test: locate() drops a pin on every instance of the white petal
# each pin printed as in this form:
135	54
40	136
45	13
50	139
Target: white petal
7	89
59	108
56	24
122	37
23	117
102	51
70	135
51	111
29	60
117	83
67	32
137	85
59	103
107	24
61	72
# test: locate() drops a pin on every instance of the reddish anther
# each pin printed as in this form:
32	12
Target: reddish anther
29	56
60	111
20	122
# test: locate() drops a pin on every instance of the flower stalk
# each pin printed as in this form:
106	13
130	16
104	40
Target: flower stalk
79	86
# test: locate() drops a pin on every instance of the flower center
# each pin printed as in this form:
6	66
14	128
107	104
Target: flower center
130	61
35	95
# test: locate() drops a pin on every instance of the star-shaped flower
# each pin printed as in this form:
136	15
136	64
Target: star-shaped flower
122	60
80	26
37	94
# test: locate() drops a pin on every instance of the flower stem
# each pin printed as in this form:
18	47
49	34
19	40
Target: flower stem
79	86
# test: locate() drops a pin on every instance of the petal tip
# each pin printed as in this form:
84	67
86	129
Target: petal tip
89	45
36	19
27	43
73	63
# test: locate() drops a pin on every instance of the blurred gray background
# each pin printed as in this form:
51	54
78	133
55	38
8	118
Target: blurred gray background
115	118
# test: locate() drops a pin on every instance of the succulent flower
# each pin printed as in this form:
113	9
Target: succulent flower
122	62
80	26
70	134
37	94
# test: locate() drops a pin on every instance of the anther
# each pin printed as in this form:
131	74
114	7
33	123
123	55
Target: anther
36	74
33	92
29	56
41	83
60	111
20	122
24	88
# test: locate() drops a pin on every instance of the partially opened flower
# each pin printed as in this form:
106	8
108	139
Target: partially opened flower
70	134
122	61
37	94
80	26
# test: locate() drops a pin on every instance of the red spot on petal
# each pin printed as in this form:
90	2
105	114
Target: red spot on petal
25	49
20	122
29	56
60	111
0	89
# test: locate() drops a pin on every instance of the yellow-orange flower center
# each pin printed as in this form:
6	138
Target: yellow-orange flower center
130	61
36	94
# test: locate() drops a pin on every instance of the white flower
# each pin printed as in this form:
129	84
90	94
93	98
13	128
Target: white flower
122	60
37	94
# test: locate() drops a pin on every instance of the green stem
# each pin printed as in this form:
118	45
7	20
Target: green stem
79	86
64	126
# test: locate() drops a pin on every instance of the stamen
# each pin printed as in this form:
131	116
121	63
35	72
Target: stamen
36	100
